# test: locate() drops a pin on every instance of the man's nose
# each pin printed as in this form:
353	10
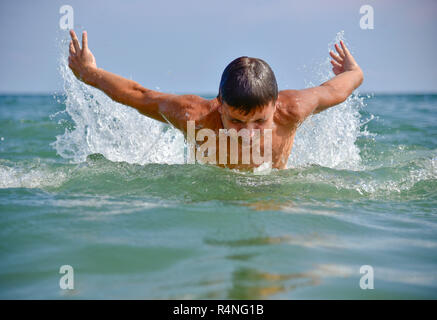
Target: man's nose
251	128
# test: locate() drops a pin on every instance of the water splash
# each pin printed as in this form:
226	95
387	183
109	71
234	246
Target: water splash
101	125
328	138
120	133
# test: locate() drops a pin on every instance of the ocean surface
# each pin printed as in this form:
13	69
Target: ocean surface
92	184
134	221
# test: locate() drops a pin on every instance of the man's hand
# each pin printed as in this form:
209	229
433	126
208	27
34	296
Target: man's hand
343	61
302	103
164	107
81	61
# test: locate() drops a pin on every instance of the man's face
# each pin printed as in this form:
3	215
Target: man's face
261	118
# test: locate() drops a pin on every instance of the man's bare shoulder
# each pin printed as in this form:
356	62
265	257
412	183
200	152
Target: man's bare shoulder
287	108
190	107
195	107
206	114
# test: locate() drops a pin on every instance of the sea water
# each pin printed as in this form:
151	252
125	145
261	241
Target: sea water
90	183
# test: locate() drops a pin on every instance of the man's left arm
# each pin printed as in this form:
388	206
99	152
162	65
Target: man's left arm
348	76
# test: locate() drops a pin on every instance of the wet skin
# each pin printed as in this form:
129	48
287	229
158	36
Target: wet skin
222	116
282	116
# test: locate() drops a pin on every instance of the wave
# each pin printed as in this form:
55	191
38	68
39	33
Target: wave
412	179
120	133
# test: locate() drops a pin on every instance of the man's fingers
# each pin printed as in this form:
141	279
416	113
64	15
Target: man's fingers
335	64
84	40
345	50
336	57
72	51
70	63
339	50
75	41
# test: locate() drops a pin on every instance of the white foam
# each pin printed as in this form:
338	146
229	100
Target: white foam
104	126
34	176
120	133
328	138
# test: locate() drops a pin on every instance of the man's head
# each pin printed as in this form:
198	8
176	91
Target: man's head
247	94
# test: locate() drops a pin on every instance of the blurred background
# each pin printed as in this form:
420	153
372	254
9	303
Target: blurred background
184	46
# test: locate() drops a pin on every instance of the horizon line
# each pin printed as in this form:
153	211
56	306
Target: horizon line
367	92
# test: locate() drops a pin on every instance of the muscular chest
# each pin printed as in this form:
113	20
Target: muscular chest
237	150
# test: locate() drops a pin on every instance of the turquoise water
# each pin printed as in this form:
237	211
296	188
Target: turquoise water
89	183
83	184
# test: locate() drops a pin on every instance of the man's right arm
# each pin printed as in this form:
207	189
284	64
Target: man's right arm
164	107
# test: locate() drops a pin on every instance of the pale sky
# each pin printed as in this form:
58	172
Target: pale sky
184	46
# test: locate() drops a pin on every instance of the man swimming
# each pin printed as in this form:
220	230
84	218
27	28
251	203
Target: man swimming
248	98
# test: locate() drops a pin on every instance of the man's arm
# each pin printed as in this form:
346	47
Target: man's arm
348	76
176	109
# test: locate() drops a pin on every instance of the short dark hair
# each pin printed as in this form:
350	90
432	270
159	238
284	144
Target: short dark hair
247	84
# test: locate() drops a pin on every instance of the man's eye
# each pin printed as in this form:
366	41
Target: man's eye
260	121
235	121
